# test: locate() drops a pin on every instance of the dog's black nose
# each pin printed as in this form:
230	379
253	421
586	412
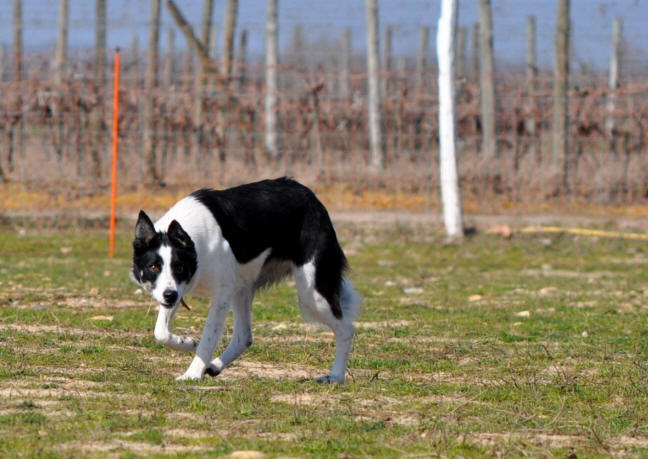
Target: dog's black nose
170	296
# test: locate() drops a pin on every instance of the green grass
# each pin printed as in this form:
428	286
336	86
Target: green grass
535	345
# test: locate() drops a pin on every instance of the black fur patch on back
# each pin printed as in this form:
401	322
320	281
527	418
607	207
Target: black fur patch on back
286	217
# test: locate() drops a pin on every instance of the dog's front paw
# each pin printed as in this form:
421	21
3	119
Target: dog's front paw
195	371
212	370
189	376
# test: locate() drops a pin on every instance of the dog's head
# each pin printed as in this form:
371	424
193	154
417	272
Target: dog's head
163	262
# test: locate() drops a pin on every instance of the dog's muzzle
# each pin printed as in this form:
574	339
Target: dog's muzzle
170	298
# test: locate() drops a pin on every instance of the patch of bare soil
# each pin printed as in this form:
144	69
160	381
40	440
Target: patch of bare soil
635	260
301	326
49	412
39	393
296	339
97	302
242	369
539	439
247	428
172	357
52	408
303	399
386	324
39	329
183	416
63	372
13	295
625	441
194	434
443	377
424	340
247	455
568	369
283	436
615	444
44	391
383	408
389	409
322	330
93	332
115	445
564	273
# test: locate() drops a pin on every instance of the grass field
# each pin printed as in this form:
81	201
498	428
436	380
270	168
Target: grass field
529	346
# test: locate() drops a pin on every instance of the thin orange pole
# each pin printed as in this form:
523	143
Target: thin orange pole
115	136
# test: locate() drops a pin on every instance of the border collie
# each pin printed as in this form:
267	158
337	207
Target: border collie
229	243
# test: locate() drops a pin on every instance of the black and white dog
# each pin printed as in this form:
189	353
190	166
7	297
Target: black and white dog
227	244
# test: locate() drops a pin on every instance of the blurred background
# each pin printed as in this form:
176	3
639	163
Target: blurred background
222	108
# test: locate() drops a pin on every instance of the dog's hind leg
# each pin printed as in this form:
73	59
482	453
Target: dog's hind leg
242	337
210	337
163	334
315	307
344	332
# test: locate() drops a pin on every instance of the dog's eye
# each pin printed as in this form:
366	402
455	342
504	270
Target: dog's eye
179	269
154	267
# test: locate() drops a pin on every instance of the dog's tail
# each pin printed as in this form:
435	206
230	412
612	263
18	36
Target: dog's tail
350	301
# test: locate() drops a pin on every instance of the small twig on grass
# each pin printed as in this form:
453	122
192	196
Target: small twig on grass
639	365
546	349
560	412
638	385
56	319
598	439
207	388
470	400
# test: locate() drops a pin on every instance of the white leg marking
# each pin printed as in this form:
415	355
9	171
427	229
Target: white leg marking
314	306
163	333
235	289
210	338
242	337
344	333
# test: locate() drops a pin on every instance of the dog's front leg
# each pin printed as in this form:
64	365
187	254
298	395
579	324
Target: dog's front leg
242	336
163	333
209	340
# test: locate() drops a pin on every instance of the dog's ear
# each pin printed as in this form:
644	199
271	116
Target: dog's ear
179	236
144	230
